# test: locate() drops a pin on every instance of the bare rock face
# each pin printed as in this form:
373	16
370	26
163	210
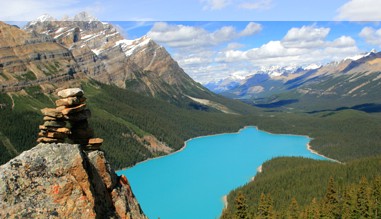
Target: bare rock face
61	181
102	53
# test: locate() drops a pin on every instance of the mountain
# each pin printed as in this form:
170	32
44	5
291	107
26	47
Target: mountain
226	84
102	53
30	58
60	180
143	104
350	82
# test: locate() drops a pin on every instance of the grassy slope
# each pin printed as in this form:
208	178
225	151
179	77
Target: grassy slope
116	115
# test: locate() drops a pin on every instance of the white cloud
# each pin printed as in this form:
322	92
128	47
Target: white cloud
251	28
256	5
360	10
234	45
371	35
306	33
181	36
215	4
213	55
300	46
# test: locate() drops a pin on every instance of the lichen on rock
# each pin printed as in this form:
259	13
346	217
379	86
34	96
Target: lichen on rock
62	181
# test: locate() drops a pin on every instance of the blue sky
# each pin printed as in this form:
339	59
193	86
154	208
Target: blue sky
214	39
196	10
213	50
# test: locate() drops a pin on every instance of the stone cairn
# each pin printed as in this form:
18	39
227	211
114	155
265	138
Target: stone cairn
70	108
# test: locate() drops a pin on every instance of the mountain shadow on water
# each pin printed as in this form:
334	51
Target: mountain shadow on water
366	107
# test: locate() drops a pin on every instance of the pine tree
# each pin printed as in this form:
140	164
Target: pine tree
293	210
241	206
315	209
362	202
331	208
376	193
265	207
270	209
348	203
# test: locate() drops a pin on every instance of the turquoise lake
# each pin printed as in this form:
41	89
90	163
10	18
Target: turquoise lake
190	184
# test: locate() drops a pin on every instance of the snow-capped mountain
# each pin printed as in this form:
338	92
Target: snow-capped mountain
102	53
356	76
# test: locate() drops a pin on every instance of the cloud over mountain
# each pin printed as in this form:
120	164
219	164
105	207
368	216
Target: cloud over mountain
371	35
180	36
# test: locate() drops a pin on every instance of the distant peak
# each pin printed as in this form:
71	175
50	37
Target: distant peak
84	16
312	67
362	55
43	18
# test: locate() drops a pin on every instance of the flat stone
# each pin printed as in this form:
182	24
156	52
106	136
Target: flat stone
64	130
49	118
49	140
70	101
93	141
71	92
58	135
54	129
75	109
58	124
52	112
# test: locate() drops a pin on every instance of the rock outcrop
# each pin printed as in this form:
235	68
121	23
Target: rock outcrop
102	53
28	59
62	181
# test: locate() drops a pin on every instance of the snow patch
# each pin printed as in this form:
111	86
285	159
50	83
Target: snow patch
359	56
130	46
42	19
312	67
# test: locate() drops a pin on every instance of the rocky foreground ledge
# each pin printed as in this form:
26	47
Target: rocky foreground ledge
62	181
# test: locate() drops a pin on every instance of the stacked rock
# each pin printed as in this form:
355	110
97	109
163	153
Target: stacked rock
72	108
54	128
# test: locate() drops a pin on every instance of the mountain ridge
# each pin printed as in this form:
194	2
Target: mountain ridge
352	81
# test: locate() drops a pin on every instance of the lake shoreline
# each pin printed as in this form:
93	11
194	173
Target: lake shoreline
309	147
305	144
185	146
224	133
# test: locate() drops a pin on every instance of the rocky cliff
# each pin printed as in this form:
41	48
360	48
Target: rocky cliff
31	58
62	181
102	53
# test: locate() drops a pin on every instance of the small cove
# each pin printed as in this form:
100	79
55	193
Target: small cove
191	183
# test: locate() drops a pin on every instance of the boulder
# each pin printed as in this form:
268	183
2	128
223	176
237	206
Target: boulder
61	181
71	92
